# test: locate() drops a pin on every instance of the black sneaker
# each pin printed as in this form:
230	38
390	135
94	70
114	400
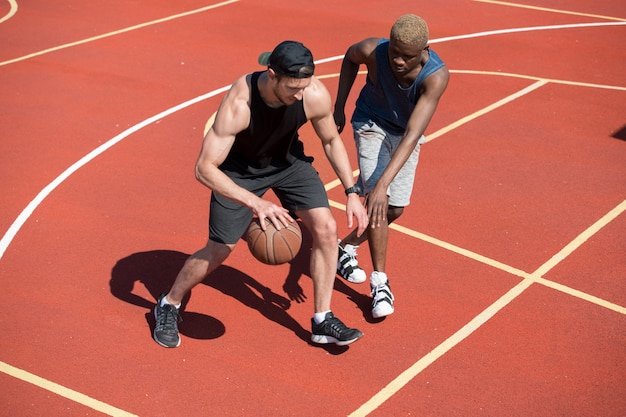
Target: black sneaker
166	329
332	330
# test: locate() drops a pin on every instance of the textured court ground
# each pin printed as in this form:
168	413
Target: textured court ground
509	266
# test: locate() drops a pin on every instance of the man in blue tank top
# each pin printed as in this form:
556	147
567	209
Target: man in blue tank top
405	80
252	147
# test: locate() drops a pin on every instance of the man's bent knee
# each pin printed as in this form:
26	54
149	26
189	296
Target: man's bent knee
394	212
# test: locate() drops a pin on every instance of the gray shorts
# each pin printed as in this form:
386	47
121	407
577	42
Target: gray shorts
375	147
297	186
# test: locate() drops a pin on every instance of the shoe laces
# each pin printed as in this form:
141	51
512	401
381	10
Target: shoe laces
335	326
348	255
350	249
381	291
168	317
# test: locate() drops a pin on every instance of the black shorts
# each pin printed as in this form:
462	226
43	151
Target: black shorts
297	186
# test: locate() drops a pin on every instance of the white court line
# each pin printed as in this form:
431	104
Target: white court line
116	32
501	32
27	212
526	29
12	11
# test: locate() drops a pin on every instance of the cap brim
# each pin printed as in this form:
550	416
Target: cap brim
264	58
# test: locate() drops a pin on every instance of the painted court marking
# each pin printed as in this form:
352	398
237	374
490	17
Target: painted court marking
405	377
12	11
546	9
472	255
535	276
63	391
116	32
46	191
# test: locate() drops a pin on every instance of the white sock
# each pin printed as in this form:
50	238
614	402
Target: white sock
378	278
164	301
320	317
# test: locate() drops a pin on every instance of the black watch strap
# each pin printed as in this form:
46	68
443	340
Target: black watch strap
354	189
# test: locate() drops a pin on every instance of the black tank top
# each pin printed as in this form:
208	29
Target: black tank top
271	140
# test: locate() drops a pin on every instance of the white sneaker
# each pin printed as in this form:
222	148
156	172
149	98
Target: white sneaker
347	265
382	298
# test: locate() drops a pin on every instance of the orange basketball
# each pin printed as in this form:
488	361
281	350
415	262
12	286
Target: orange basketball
273	247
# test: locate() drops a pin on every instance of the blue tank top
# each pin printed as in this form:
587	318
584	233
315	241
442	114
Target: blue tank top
385	101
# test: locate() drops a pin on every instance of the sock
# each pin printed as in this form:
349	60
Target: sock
320	317
378	278
164	301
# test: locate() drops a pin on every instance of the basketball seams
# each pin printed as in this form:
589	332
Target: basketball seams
270	254
273	247
285	244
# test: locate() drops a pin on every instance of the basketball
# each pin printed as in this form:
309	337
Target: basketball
273	247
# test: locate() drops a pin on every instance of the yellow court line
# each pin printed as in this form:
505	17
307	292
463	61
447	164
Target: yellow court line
12	11
117	32
405	377
540	82
536	276
461	251
486	110
546	9
531	77
464	120
63	391
582	295
527	279
571	247
95	404
583	237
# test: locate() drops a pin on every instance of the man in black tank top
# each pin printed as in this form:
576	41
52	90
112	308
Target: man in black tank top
253	146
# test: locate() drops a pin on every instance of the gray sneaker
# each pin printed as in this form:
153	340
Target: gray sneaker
166	329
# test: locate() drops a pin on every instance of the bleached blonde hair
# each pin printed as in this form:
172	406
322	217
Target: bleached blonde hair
410	30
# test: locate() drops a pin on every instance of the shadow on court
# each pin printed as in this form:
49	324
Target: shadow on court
157	269
299	267
620	134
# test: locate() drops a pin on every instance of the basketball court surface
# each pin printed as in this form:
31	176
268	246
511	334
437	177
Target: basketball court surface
508	267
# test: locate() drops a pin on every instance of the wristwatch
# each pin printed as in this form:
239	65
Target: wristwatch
354	189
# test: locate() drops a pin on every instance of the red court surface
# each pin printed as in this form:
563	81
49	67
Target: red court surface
508	267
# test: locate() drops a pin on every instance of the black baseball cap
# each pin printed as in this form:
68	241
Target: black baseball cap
290	58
